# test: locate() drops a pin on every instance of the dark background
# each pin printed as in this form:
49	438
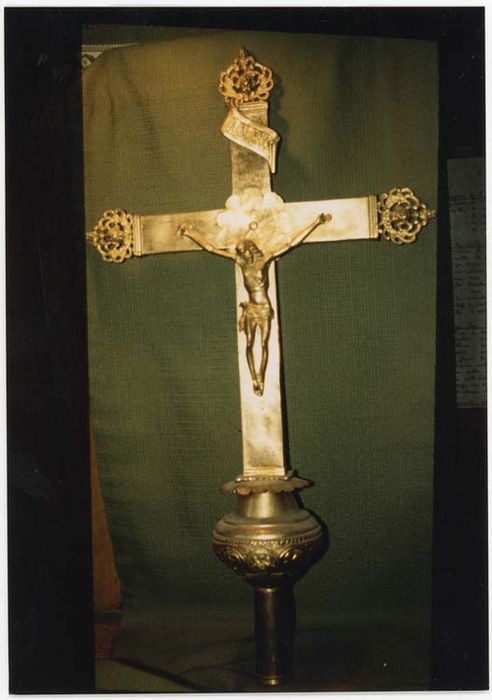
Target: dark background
50	595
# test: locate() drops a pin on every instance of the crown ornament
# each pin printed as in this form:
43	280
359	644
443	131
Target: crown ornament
245	80
402	215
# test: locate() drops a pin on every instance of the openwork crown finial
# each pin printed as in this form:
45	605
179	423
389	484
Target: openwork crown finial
402	215
113	235
245	80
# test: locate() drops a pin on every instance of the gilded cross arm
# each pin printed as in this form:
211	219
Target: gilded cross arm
397	216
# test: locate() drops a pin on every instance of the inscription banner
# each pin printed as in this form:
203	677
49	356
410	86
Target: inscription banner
257	138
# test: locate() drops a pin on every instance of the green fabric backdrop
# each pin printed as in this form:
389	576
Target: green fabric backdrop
357	116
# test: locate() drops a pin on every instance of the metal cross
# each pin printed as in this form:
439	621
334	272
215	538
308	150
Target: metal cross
269	540
254	229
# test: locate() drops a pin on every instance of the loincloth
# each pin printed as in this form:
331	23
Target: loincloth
254	313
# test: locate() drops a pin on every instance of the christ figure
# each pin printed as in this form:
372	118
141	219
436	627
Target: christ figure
254	263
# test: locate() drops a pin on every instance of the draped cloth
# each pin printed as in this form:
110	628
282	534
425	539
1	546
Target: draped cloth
357	116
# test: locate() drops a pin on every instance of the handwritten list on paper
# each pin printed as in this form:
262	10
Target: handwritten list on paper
467	218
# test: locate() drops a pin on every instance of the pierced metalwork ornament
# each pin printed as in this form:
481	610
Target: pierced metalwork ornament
245	80
402	215
112	236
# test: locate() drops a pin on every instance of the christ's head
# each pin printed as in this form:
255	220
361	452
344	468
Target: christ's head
248	251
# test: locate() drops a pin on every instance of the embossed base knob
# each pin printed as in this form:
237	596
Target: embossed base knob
270	541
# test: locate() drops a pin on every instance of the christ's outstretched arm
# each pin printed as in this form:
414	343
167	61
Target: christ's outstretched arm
204	242
322	219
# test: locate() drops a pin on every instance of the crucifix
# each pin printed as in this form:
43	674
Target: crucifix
268	539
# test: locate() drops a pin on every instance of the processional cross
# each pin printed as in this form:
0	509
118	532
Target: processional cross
268	539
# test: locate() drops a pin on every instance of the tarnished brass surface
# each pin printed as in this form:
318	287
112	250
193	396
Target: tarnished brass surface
401	215
268	540
275	618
